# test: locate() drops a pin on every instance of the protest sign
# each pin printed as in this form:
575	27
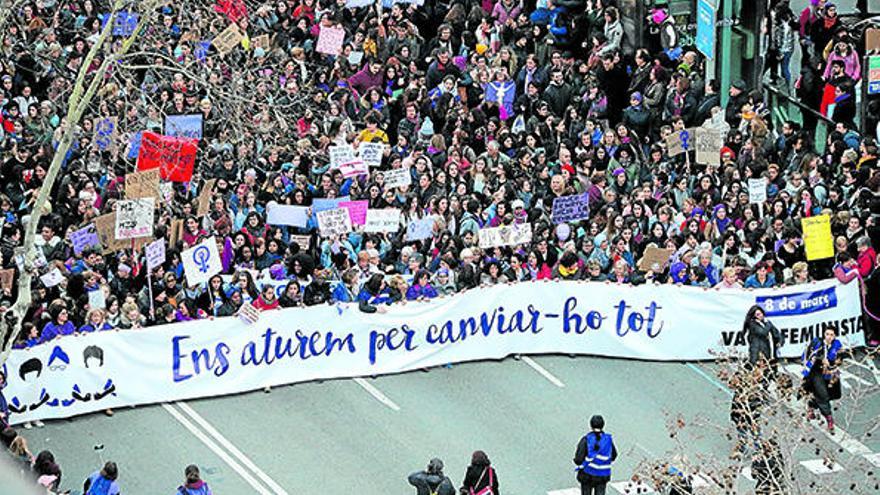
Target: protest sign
125	23
248	314
330	40
105	225
175	157
322	204
142	184
382	220
354	168
97	300
204	202
334	222
303	241
175	231
84	238
644	322
353	4
201	262
52	278
708	143
189	126
261	41
228	39
397	177
654	255
679	142
134	144
134	218
757	190
506	235
571	208
7	276
155	253
818	241
355	58
422	228
295	216
166	191
371	153
340	154
106	131
357	210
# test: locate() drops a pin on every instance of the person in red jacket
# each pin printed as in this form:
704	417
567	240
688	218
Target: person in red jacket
866	256
267	299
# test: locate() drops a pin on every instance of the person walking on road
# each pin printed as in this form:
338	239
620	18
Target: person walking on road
194	484
432	481
480	477
763	337
594	455
821	376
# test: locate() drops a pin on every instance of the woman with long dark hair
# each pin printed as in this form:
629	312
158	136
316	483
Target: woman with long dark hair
763	337
480	477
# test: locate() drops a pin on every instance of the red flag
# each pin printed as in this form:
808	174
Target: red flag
176	156
234	9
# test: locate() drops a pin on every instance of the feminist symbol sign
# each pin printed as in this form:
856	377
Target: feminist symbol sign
201	262
201	255
685	137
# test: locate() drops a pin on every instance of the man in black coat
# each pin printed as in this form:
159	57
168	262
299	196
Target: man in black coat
613	81
558	94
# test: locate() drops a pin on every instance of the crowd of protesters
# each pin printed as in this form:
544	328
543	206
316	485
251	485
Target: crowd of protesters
495	108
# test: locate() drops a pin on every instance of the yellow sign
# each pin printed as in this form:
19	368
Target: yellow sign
818	242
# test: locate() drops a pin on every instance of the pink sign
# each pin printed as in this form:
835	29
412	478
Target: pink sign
357	211
330	40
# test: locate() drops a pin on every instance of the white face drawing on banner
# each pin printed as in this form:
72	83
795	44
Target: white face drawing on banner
51	382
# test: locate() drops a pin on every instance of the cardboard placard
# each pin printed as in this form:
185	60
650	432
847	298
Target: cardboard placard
708	143
340	154
175	232
204	202
261	41
302	240
143	184
190	126
7	277
371	153
357	211
228	39
654	255
106	132
679	142
155	253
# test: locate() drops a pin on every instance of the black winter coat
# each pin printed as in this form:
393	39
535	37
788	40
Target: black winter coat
759	336
475	480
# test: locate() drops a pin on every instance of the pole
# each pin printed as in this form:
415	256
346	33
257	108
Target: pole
725	59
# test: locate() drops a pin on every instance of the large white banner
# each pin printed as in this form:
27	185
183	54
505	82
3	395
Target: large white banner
79	374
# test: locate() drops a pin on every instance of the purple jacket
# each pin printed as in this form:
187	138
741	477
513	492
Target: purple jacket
853	67
364	80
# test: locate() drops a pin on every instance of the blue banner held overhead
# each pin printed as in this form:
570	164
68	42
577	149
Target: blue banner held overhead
799	303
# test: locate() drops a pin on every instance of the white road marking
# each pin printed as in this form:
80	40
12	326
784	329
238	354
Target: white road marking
867	365
821	466
208	427
747	473
217	450
566	491
873	459
543	372
375	392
